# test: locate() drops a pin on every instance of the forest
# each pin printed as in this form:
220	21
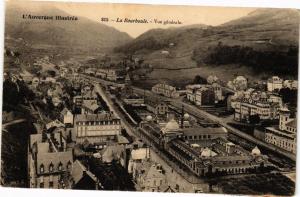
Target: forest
275	62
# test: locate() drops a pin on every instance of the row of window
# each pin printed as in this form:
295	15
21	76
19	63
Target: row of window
99	123
51	167
196	137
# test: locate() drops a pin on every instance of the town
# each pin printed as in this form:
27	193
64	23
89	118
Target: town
94	128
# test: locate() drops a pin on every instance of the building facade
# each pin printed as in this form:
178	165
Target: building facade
49	161
274	83
96	128
165	90
256	103
285	136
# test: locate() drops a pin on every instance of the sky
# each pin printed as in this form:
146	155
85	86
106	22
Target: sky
187	15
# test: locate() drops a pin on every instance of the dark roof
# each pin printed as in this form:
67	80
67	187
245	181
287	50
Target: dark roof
79	171
95	117
292	123
203	130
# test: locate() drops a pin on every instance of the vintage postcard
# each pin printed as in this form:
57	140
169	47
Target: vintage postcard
154	98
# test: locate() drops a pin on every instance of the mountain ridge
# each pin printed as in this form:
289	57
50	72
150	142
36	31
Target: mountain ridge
262	33
83	33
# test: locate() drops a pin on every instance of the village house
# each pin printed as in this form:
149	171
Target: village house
139	152
49	161
150	177
84	179
54	123
158	108
66	117
114	152
90	107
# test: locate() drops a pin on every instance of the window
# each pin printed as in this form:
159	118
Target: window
51	181
51	167
41	182
60	166
42	168
69	165
41	185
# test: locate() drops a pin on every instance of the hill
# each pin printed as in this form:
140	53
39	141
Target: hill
83	34
237	47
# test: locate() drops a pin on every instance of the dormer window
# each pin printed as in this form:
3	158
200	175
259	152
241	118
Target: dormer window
69	165
60	166
51	167
42	168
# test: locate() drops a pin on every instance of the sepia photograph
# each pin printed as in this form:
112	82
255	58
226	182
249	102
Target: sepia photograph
150	98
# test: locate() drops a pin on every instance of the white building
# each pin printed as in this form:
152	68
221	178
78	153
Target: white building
274	83
292	84
67	116
285	136
165	90
201	94
96	128
252	102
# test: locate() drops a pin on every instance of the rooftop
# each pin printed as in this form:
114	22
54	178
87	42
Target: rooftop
95	117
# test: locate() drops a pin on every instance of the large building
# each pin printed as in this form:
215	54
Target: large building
49	161
165	90
274	83
252	102
204	156
204	94
201	95
96	128
285	136
111	74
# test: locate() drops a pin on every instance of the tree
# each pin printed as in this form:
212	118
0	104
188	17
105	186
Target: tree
199	80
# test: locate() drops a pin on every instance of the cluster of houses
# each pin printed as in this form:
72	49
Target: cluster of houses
268	105
109	73
248	104
53	155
